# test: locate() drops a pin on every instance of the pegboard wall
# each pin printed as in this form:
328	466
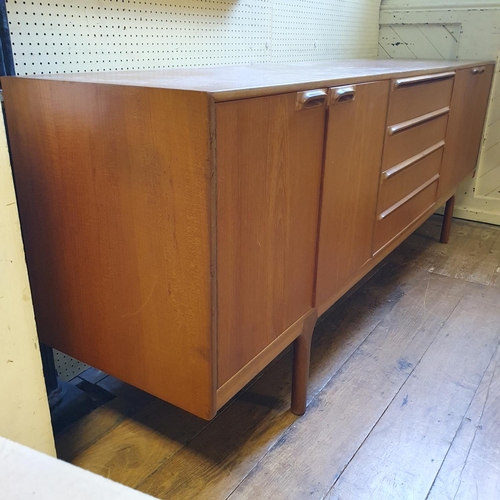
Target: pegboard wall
67	367
107	35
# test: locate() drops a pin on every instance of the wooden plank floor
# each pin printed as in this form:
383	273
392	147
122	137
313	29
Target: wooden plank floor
404	398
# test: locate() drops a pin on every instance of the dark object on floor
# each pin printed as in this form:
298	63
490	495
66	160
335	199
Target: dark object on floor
68	401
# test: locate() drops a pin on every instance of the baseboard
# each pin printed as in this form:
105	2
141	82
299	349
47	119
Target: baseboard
477	215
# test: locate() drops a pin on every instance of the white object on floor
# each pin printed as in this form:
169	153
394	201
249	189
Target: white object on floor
26	473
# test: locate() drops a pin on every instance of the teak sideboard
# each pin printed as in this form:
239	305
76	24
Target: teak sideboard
184	226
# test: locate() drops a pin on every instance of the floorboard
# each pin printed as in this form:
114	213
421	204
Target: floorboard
76	438
450	478
480	477
404	393
404	451
340	419
472	254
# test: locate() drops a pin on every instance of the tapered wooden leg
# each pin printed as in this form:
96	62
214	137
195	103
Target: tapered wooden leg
448	215
301	362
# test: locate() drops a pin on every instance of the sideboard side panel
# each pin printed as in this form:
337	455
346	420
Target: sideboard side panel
269	161
114	188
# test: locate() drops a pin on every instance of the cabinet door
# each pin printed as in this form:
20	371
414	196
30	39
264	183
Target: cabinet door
269	160
465	128
350	185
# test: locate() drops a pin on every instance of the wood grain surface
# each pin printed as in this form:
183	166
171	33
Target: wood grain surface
355	135
256	80
402	183
77	437
242	377
465	130
470	468
114	187
267	220
407	143
398	217
411	101
436	396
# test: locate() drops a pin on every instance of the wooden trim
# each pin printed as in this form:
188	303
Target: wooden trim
213	249
400	127
415	80
411	161
257	364
381	254
407	198
408	7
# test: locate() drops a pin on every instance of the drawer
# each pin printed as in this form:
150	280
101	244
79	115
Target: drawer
417	96
401	180
397	218
408	139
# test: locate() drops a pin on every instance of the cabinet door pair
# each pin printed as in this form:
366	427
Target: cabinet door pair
270	155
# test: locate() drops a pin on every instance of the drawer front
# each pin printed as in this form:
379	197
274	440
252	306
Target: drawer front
401	180
393	221
407	142
413	97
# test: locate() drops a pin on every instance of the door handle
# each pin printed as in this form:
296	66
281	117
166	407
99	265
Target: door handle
339	95
310	99
416	80
478	71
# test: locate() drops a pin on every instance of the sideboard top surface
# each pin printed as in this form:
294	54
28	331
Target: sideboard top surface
226	83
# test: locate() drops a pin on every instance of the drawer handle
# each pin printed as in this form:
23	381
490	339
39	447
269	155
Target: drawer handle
478	71
407	198
399	127
339	95
310	99
415	80
411	161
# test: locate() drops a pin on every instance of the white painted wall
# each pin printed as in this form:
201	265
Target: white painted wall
462	29
24	413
